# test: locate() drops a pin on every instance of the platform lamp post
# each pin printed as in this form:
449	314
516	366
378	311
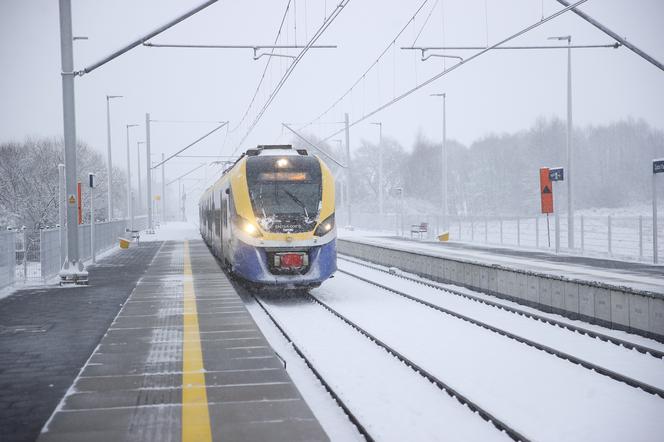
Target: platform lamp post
138	170
130	200
380	167
570	204
444	205
109	158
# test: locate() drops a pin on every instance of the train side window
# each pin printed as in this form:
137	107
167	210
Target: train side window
231	203
224	210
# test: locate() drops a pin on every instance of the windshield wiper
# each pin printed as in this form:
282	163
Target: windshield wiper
300	203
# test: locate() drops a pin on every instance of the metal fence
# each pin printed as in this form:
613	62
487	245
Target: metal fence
39	256
7	258
622	237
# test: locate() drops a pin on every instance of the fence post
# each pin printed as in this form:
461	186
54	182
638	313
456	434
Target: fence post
536	232
518	231
25	255
582	235
641	237
557	227
472	229
609	233
501	230
486	229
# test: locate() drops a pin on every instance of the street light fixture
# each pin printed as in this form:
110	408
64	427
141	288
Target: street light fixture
109	158
570	205
380	166
444	163
130	200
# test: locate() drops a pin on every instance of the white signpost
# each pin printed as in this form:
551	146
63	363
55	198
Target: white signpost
657	167
91	184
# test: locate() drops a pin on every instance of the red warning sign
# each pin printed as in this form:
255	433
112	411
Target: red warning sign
546	190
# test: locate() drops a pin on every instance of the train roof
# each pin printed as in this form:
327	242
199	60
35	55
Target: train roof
275	149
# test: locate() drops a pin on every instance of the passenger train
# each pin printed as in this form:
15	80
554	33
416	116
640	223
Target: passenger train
270	218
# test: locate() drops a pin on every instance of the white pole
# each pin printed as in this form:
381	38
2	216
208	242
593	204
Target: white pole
348	173
380	170
444	165
130	202
109	172
138	170
72	270
570	205
148	173
92	219
163	190
654	219
62	213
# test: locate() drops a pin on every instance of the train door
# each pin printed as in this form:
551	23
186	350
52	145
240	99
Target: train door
225	244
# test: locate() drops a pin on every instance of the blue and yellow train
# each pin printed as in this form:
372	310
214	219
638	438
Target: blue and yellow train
270	218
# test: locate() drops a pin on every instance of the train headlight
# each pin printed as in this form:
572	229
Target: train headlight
247	227
324	227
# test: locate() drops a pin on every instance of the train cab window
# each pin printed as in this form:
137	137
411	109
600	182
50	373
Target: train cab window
285	192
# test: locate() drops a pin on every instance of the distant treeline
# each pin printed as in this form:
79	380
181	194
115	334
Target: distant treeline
499	174
29	182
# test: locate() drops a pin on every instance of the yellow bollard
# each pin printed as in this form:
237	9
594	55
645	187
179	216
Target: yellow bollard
124	243
445	236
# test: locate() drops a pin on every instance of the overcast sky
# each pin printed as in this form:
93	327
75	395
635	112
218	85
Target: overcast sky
502	91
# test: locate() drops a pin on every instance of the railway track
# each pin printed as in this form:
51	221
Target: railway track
565	325
417	369
360	427
521	339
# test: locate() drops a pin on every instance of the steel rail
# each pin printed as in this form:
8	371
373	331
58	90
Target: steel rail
488	417
529	342
360	428
584	331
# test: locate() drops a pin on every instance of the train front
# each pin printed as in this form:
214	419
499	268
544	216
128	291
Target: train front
286	234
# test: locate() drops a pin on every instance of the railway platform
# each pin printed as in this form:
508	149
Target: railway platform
158	347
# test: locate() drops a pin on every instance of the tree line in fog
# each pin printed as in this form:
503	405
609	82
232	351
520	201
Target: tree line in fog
29	182
499	174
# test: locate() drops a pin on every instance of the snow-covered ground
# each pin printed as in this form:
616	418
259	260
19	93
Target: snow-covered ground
538	394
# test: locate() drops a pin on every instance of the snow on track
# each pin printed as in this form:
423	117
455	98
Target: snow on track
540	395
627	362
622	335
390	399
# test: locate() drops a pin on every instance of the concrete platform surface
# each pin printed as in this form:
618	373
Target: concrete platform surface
183	360
47	333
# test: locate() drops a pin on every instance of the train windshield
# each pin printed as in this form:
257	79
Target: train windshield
285	192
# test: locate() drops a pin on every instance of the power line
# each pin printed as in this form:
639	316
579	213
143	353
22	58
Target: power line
292	66
350	89
267	65
425	22
615	36
461	63
191	144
